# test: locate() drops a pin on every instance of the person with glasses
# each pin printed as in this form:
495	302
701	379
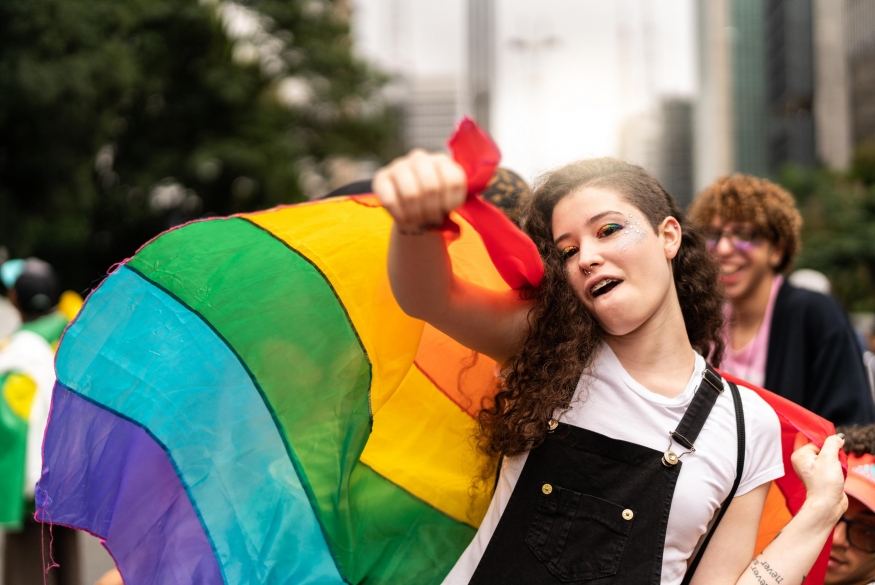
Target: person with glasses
852	558
794	342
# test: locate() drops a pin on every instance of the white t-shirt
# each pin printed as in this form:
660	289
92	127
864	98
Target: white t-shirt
613	404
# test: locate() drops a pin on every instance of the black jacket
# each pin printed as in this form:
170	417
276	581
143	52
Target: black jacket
814	358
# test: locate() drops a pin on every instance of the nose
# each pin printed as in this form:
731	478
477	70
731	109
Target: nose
724	246
840	534
588	261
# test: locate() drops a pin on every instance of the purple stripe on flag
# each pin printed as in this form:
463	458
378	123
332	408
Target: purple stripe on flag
109	477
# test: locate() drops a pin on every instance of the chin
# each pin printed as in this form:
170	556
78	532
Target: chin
618	319
734	289
618	327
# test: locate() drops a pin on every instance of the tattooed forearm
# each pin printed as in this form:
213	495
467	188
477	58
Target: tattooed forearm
765	574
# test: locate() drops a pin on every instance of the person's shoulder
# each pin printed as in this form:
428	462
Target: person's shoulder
757	412
816	308
763	448
804	299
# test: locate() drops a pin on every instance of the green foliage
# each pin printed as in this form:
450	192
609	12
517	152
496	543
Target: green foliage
863	167
121	119
838	233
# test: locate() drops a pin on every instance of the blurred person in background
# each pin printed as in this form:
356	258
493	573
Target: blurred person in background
27	376
869	357
852	559
794	342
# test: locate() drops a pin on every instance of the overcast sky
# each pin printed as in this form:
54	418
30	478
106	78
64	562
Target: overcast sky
569	73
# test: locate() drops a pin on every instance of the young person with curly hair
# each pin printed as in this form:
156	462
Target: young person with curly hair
794	342
604	383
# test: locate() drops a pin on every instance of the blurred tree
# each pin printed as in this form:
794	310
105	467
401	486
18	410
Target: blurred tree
863	167
121	119
838	233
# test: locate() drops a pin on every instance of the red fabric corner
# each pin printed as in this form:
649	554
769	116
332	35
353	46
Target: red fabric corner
514	255
476	153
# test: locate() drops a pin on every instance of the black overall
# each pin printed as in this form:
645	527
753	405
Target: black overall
591	509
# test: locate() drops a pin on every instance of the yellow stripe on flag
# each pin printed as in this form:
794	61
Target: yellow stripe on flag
422	442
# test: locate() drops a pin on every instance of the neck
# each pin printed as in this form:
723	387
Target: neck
658	354
748	312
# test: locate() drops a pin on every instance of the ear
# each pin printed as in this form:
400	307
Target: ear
776	254
670	234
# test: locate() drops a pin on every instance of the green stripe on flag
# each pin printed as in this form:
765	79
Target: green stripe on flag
276	310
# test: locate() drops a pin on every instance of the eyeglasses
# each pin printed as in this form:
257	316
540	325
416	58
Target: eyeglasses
743	239
860	534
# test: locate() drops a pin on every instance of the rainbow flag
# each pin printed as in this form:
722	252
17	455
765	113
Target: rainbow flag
243	401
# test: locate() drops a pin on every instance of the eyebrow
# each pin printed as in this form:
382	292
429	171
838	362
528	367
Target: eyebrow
589	222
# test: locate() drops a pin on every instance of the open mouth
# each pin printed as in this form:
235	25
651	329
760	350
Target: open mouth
729	270
604	286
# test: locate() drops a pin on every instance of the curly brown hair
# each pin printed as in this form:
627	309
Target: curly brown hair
563	335
767	206
859	439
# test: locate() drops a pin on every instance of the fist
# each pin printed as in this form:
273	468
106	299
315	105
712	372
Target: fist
421	188
821	473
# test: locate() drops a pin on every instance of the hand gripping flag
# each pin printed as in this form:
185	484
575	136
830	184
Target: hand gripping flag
243	401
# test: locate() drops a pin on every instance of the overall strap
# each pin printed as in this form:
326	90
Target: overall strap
694	418
697	413
739	469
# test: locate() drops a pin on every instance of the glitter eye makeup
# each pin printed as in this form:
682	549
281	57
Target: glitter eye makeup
607	230
568	251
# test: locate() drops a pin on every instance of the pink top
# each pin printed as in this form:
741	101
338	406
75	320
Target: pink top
749	362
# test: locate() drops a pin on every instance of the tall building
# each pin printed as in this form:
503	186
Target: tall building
749	92
773	84
431	109
422	47
861	68
481	60
790	83
675	166
762	88
795	79
714	135
832	105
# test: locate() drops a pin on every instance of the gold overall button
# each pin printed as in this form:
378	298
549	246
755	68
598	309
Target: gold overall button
547	489
628	514
670	458
553	424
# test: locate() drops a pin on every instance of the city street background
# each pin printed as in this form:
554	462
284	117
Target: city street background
119	121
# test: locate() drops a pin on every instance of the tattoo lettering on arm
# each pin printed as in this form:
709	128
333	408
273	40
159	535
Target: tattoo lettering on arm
765	574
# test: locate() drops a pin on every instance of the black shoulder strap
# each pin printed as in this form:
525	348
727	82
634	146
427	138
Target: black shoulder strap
739	469
697	413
